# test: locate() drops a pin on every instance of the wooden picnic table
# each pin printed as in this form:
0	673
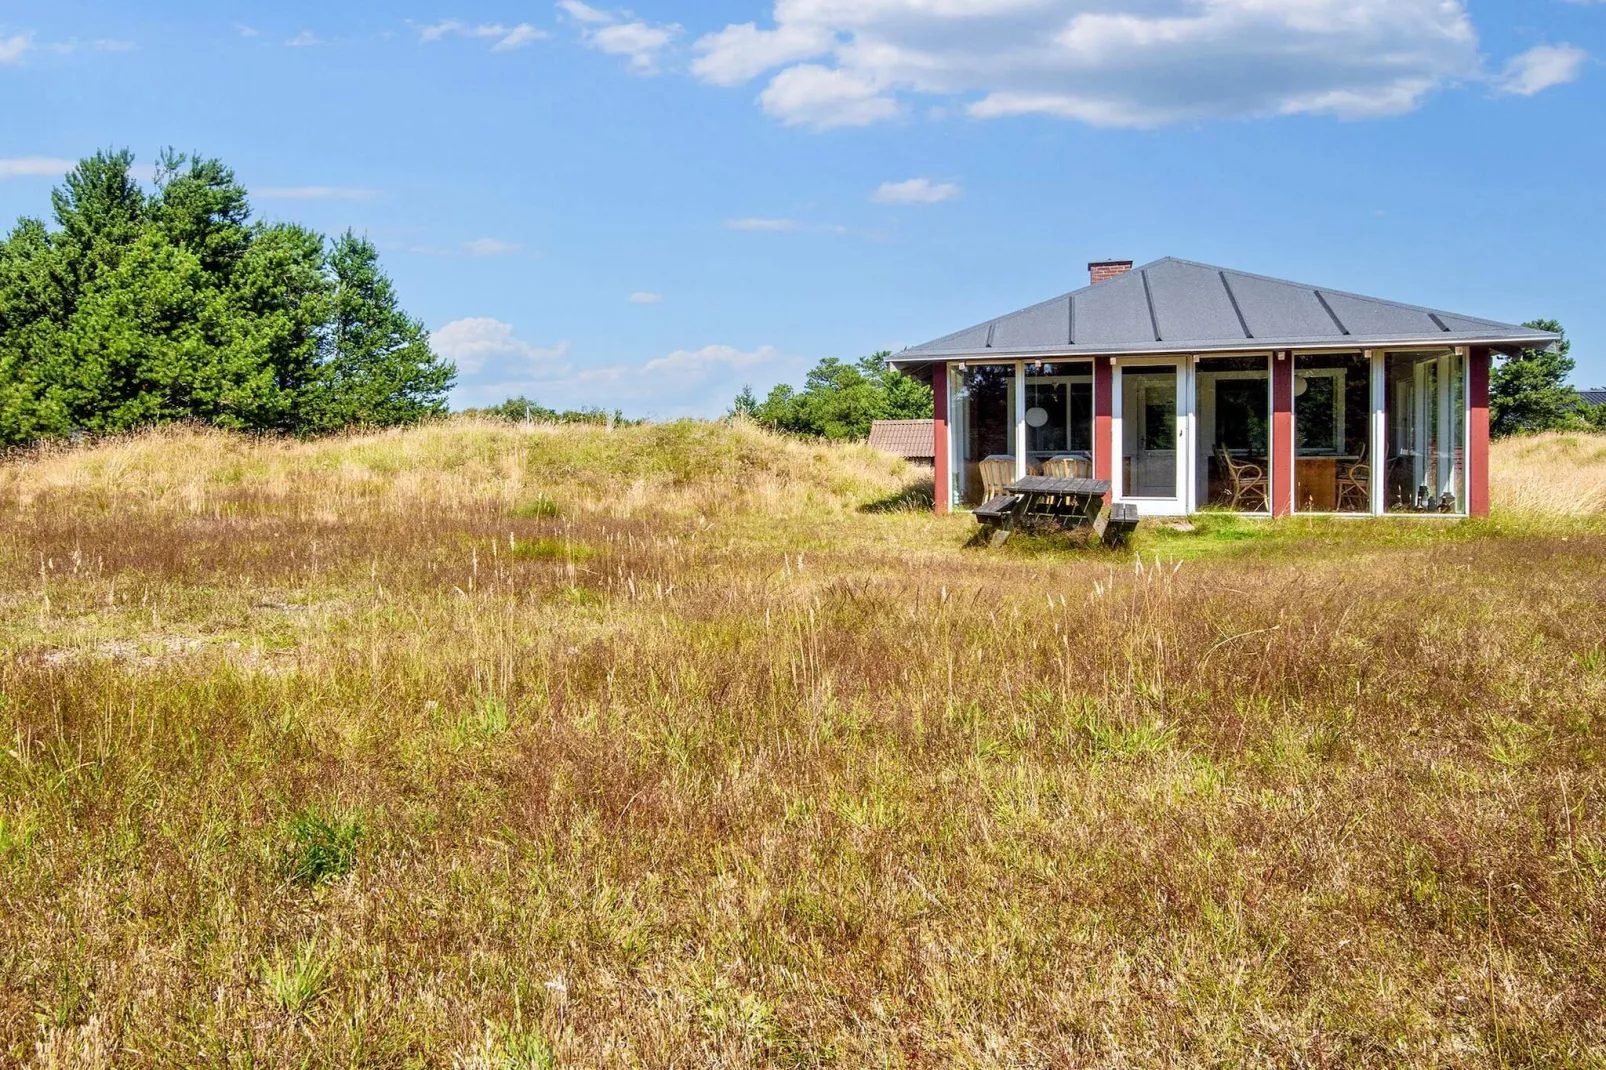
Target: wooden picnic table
1058	504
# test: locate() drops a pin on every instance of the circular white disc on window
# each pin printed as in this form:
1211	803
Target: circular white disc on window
1301	384
1036	417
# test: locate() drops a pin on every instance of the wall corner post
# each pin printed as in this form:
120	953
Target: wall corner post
1282	434
1478	359
942	488
1104	445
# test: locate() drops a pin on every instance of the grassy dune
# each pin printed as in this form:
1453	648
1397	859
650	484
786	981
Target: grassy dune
474	746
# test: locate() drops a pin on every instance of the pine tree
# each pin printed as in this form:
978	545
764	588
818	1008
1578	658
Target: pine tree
137	309
378	369
1528	392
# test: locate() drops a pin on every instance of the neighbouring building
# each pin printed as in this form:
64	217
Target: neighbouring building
910	439
1194	387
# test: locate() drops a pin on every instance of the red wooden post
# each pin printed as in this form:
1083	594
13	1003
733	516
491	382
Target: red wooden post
939	437
1282	434
1105	447
1478	434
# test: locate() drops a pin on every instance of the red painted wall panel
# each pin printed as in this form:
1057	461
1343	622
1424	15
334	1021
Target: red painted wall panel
939	416
1478	438
1104	445
1282	434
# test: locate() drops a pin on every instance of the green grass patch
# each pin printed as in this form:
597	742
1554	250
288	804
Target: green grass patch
318	847
537	508
552	550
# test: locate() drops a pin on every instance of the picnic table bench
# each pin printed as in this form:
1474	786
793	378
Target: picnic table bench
1046	502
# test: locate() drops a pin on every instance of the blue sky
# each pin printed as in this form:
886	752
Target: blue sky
645	208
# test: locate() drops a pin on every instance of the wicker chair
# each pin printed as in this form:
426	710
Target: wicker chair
1071	467
1355	485
997	472
1246	483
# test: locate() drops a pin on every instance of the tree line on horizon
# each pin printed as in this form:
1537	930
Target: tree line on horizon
839	400
138	308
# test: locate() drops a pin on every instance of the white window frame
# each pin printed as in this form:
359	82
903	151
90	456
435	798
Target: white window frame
1068	380
1204	415
1179	504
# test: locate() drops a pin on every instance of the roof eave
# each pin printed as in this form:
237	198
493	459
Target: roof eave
1528	341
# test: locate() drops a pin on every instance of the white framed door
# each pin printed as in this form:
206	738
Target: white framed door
1153	428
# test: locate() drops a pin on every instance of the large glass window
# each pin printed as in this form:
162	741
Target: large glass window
1332	433
981	416
1059	419
1149	431
1425	405
1232	468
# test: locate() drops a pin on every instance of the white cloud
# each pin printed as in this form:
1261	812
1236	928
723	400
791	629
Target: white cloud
440	30
686	382
475	342
305	39
13	48
675	375
856	62
584	12
1540	68
824	97
35	166
641	297
708	359
622	35
490	247
771	225
917	191
638	41
741	53
507	38
519	36
246	31
315	193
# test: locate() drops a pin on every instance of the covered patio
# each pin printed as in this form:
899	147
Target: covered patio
1191	387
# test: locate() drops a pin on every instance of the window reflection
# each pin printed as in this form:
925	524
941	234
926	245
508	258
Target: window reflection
1425	417
1232	455
1059	418
1332	433
981	422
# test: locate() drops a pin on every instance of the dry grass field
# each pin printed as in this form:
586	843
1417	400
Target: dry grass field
684	745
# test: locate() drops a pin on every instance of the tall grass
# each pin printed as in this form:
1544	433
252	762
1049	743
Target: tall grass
305	763
1551	474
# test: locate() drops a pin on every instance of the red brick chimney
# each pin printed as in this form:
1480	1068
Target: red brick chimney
1108	269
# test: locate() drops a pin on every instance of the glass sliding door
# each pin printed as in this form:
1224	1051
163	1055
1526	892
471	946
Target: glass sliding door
1059	419
1333	433
1150	418
981	420
1232	434
1425	421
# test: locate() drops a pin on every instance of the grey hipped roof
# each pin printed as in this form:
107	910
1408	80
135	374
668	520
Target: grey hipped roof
1178	306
